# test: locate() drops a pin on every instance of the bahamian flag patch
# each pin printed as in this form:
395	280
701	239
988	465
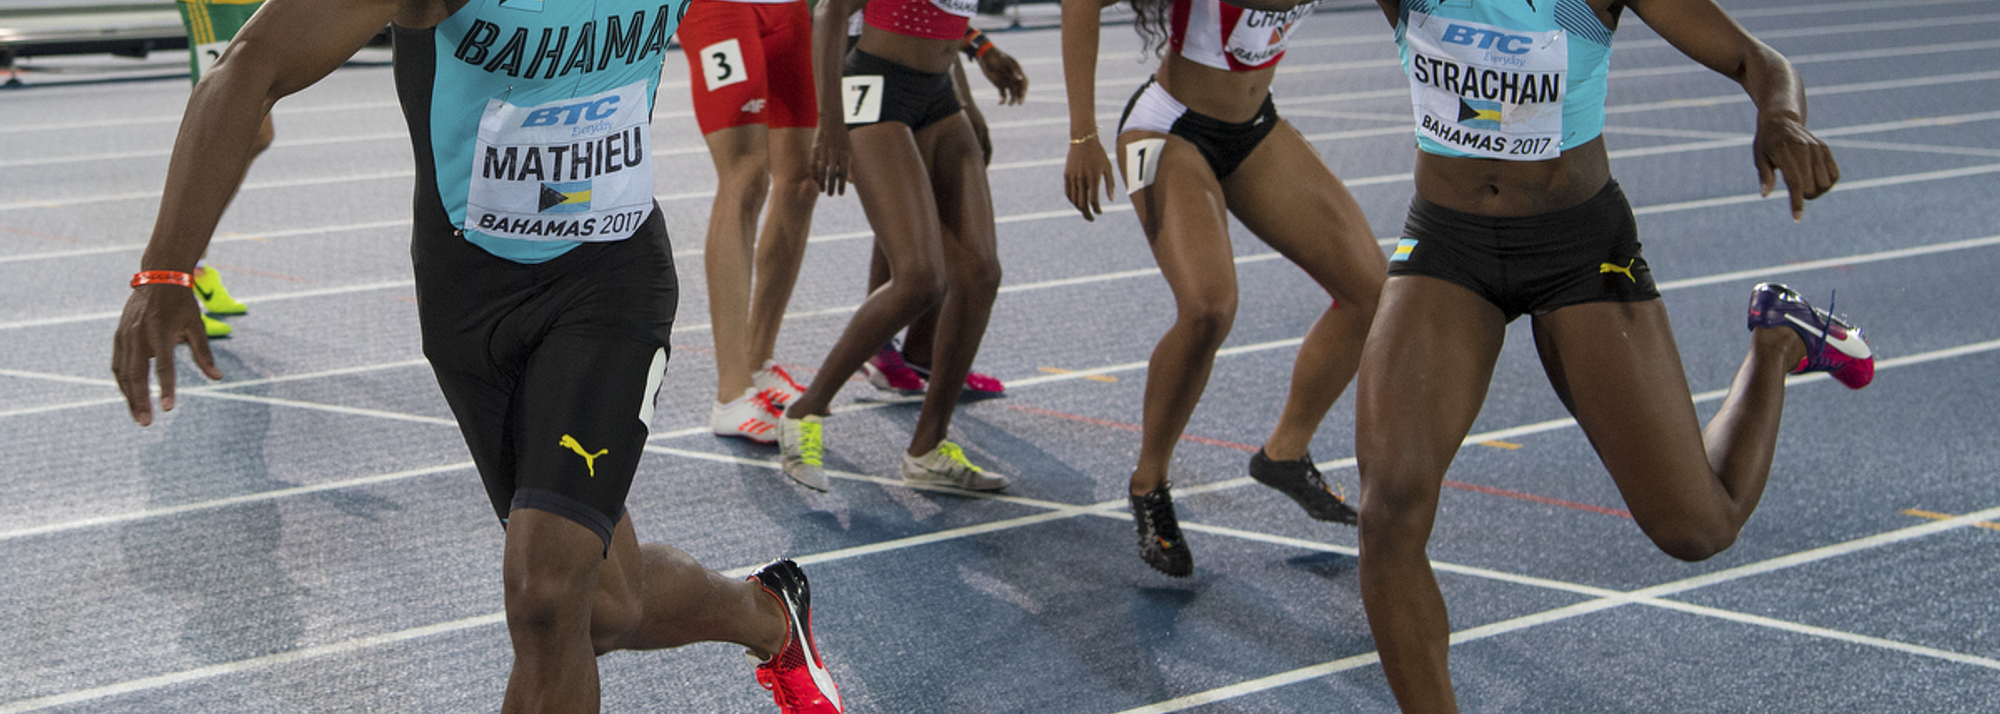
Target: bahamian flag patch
566	197
1403	249
1479	114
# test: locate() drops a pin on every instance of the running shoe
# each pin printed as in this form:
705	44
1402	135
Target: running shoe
216	328
946	466
977	386
888	372
752	416
802	452
796	676
1833	345
777	384
1160	541
215	299
1301	480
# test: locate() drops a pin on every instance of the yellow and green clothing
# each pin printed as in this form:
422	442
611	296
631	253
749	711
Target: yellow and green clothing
211	24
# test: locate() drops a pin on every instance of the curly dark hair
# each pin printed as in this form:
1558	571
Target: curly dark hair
1151	22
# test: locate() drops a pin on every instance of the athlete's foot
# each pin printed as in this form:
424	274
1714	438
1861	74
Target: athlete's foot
888	372
1833	345
215	299
946	466
752	416
216	329
977	386
1160	541
796	676
1301	480
777	384
802	453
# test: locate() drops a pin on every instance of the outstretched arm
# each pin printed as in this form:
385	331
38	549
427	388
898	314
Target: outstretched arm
1705	33
287	46
1087	165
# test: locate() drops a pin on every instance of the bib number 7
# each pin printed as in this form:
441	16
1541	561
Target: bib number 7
861	98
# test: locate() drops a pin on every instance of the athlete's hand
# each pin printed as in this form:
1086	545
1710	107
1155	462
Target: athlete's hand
157	317
831	154
1005	73
1086	167
1783	145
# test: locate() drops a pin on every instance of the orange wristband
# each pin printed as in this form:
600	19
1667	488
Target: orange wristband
173	277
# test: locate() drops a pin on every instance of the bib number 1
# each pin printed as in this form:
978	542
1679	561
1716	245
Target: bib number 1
1142	163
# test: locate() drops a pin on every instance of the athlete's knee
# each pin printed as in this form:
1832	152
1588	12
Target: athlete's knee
1692	540
977	277
1396	512
747	183
542	601
1207	319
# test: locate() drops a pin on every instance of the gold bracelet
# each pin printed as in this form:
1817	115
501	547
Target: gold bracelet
1092	136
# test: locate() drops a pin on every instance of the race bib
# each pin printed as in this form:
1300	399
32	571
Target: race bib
1261	36
961	8
1486	90
570	170
862	98
722	64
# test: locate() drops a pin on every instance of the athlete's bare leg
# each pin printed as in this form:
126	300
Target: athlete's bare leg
743	178
1617	369
1288	197
889	174
569	601
1423	378
972	266
1187	223
781	247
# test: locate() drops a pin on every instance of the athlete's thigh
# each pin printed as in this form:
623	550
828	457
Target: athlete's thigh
1181	207
739	147
1621	371
1286	195
1424	373
958	183
895	189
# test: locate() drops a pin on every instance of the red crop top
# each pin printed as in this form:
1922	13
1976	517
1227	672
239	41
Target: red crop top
929	19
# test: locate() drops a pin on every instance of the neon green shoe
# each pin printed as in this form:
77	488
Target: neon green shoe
215	299
216	328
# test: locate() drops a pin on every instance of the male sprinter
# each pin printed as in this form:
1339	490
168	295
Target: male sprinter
546	291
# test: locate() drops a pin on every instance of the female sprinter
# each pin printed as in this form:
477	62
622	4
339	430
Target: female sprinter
1199	141
891	119
1516	213
751	65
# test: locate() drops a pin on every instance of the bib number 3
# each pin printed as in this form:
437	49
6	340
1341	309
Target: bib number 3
862	98
722	64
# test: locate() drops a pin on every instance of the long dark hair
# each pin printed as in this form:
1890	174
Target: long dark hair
1151	20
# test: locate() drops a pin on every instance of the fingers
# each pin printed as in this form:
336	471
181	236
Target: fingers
128	367
1766	176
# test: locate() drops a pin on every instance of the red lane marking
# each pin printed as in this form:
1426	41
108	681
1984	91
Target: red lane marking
1134	428
43	236
1246	448
1544	500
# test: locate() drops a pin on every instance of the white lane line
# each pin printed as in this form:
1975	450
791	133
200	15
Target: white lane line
1608	600
1645	596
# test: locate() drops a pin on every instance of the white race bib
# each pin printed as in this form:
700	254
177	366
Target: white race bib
1487	90
862	98
570	170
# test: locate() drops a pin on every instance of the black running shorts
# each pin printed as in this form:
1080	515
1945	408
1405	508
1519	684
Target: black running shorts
551	368
917	99
1224	145
1531	265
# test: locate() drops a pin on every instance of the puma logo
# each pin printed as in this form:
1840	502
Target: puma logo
589	459
1627	270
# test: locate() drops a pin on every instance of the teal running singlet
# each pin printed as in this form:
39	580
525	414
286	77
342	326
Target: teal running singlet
1521	80
531	119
